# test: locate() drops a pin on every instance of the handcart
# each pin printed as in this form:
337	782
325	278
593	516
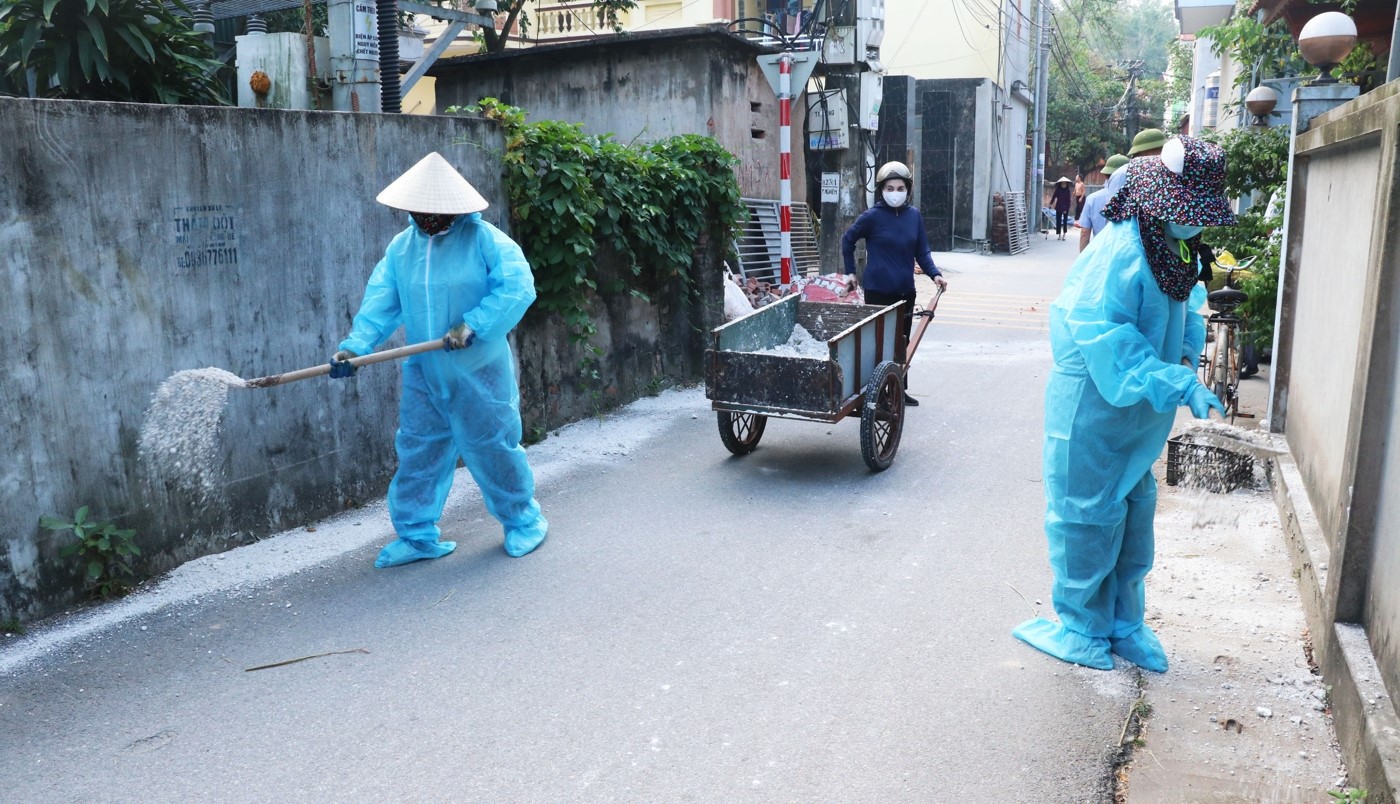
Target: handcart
862	376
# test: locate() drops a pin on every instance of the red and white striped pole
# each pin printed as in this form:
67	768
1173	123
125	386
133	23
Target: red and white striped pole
785	163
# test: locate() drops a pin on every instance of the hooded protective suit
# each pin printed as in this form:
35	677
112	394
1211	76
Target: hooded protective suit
463	402
1119	343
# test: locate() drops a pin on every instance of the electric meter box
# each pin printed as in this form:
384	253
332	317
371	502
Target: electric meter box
828	125
840	46
872	93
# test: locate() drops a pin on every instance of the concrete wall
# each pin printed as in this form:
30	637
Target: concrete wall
1336	399
644	86
137	241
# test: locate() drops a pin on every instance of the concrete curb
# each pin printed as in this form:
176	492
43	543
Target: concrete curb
1364	716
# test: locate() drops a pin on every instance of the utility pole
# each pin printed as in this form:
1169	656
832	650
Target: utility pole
849	102
1035	193
1130	108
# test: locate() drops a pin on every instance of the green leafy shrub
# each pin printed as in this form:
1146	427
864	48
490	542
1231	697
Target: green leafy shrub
112	50
105	550
571	193
1256	166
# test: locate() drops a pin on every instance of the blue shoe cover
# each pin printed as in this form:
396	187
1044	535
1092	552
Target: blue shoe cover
520	541
1143	649
406	551
1065	644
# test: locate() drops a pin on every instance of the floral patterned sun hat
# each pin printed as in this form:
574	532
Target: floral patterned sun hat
1185	185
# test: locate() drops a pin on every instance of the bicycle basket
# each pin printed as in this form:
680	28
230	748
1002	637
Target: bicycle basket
1208	467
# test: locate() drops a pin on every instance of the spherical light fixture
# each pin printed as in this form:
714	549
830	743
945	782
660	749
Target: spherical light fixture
1261	102
1326	40
487	7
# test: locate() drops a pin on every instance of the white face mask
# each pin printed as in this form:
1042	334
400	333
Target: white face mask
896	198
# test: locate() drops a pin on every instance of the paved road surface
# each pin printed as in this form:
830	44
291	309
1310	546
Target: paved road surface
783	627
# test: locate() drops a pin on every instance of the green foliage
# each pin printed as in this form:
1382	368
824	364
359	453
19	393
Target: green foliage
1254	236
1091	105
1256	159
293	20
1256	167
114	50
571	192
1269	50
105	551
12	625
1350	795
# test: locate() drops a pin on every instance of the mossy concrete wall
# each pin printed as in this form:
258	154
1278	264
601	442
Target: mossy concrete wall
137	241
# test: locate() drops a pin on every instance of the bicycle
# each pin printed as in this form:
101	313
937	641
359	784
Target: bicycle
1220	361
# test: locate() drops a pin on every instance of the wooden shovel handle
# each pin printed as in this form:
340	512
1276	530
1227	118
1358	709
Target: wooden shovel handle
362	360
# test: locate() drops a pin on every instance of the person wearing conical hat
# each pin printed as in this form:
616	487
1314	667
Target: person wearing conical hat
450	275
1091	219
1060	200
1126	337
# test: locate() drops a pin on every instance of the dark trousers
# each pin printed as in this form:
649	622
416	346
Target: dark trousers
1061	221
906	315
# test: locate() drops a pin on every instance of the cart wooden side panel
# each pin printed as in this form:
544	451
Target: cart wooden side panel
773	384
739	378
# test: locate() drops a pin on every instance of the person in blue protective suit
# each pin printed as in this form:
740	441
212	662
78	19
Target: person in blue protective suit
450	275
895	241
1126	338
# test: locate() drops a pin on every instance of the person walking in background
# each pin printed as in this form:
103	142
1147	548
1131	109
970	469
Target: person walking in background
1061	200
895	241
450	275
1090	219
1126	338
1079	192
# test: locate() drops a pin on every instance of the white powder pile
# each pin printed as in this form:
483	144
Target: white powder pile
800	344
179	439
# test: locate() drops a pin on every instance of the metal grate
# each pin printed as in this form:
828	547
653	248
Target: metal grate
759	245
1017	233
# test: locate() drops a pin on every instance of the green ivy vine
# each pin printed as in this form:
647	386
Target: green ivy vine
572	192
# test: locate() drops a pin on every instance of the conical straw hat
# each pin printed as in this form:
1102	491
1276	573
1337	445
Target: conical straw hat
432	186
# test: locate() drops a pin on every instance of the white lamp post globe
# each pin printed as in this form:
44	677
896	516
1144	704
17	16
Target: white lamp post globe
1327	39
1261	102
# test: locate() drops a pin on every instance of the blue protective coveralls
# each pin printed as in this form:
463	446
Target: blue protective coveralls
463	402
1119	343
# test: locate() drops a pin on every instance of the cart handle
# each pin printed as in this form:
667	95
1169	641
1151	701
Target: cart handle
926	315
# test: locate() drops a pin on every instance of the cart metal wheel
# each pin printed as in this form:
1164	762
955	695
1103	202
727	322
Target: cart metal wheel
740	432
882	417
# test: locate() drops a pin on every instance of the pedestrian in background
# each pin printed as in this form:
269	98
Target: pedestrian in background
1061	199
450	275
1079	193
895	241
1090	219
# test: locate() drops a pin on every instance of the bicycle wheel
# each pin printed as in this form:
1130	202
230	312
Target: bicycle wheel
1219	373
1227	371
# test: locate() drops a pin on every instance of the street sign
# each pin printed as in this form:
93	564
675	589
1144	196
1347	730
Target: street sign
831	188
802	66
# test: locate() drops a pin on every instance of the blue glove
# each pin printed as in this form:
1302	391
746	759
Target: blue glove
340	369
459	337
1201	400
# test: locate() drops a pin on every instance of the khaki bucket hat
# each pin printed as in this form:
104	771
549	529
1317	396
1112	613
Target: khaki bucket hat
432	186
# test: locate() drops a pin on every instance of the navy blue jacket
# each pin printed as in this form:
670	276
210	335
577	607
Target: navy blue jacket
894	240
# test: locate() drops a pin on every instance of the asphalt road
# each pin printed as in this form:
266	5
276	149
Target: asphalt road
782	627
